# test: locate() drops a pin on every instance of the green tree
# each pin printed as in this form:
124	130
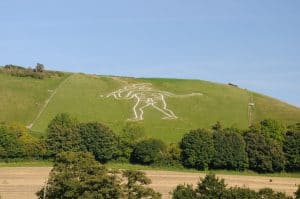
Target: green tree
184	192
131	134
273	129
147	151
268	193
79	175
10	144
135	188
291	148
99	140
211	187
197	149
39	67
63	135
241	193
265	155
170	157
230	150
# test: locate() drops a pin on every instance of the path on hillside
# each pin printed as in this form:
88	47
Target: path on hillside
48	100
24	182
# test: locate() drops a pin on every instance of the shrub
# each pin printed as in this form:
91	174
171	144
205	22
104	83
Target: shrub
272	129
197	149
264	155
147	151
230	150
99	140
79	175
131	134
63	135
184	192
291	148
170	157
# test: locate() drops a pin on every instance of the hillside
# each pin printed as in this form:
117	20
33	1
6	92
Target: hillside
184	104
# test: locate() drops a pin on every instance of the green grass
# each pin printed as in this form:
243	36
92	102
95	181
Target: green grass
27	163
79	95
22	97
128	166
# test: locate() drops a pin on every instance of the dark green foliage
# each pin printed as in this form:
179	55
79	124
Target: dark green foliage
170	157
297	193
197	149
99	140
211	187
291	148
135	187
63	135
272	129
147	151
268	193
184	192
264	155
79	175
241	193
38	73
230	150
131	134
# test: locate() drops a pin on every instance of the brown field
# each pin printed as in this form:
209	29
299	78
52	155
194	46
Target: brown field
23	182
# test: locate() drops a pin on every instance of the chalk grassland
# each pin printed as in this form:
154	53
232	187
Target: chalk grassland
80	96
24	182
22	98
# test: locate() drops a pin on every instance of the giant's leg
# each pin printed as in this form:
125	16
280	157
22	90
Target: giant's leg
161	105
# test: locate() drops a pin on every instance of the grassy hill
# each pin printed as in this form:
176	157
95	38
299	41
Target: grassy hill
23	99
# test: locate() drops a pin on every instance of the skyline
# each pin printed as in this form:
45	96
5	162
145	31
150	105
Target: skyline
253	44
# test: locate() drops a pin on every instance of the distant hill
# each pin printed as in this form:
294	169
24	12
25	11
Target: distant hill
170	107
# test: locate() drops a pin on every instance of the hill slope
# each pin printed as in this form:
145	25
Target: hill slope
84	96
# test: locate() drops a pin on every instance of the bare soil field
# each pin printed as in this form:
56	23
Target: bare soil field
23	182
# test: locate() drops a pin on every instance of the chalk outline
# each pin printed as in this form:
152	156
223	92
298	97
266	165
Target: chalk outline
140	92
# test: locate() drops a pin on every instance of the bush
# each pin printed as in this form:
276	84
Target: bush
63	135
184	192
197	149
272	129
291	148
264	155
230	150
147	151
131	134
79	175
170	157
99	140
16	142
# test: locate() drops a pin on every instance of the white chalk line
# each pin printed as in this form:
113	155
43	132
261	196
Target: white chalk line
146	96
46	104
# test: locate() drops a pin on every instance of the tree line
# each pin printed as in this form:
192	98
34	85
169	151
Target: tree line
266	147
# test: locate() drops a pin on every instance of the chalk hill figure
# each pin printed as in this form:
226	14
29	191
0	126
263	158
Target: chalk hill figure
146	96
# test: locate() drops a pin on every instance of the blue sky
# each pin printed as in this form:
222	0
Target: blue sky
255	44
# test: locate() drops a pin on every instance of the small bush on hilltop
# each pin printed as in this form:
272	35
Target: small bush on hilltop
38	72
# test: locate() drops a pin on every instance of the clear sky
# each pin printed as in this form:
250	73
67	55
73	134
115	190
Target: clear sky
255	43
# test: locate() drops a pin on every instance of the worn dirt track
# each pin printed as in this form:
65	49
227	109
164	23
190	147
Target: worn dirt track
23	182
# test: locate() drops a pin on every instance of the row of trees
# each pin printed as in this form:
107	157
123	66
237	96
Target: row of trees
266	147
212	187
